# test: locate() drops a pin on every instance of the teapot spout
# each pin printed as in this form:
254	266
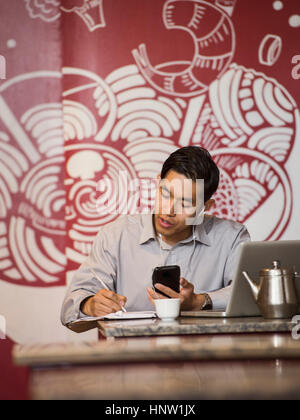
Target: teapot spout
254	287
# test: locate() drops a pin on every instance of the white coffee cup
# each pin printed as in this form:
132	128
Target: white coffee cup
167	309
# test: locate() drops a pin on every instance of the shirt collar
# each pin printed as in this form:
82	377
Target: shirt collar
201	231
148	231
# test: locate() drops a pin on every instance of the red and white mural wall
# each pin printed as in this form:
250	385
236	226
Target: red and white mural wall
94	88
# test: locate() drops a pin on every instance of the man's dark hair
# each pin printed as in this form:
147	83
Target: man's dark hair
195	163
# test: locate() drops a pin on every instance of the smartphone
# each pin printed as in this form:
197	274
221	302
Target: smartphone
168	275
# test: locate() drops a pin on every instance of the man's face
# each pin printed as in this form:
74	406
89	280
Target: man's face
176	202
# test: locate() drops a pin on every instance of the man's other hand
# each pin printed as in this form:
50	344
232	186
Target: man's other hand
103	303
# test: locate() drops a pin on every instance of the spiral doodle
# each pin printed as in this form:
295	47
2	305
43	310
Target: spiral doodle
96	195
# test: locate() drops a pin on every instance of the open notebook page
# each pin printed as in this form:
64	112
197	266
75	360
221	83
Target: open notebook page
119	316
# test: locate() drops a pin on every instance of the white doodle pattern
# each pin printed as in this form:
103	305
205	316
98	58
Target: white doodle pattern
125	110
270	49
32	197
90	11
247	120
47	10
241	127
85	211
246	111
214	49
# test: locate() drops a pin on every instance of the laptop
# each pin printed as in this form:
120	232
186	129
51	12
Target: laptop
254	256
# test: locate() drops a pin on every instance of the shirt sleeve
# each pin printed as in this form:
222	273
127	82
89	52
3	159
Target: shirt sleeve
84	284
220	297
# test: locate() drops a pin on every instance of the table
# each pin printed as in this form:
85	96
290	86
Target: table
177	363
192	325
230	379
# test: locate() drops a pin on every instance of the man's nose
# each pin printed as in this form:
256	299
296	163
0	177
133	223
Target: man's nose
171	208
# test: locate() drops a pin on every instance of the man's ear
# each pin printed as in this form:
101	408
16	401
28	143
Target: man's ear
209	204
158	177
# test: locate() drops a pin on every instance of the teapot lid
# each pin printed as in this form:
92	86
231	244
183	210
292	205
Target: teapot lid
276	270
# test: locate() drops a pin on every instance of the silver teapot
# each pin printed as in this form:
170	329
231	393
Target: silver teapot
275	294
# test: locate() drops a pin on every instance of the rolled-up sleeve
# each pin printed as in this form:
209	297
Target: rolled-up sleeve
220	297
84	284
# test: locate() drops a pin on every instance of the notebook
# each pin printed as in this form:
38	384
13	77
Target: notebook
120	315
88	322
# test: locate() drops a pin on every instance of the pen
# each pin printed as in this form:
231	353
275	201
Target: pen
104	285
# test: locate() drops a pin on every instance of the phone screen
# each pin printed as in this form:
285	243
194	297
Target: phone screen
168	275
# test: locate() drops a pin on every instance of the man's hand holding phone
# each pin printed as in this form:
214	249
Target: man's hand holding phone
189	300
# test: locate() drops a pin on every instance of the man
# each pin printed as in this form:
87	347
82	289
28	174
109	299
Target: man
126	251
